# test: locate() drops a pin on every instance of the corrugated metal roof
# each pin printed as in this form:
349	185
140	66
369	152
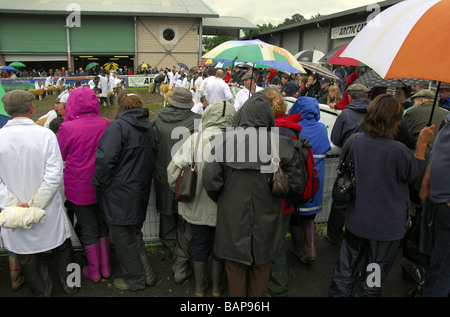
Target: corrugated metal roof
227	22
182	8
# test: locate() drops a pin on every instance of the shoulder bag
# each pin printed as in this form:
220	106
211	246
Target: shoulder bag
187	179
280	181
345	183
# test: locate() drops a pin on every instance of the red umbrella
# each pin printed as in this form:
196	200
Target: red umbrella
332	57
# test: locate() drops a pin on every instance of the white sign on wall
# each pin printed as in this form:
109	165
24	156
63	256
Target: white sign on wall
347	30
140	81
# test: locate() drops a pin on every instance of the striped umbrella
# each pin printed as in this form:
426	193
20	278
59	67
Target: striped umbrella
309	56
407	40
256	52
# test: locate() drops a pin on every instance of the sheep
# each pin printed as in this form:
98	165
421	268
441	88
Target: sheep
39	93
167	95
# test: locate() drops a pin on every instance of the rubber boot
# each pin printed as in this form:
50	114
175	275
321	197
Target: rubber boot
201	282
105	268
17	279
297	240
182	270
92	271
309	233
217	271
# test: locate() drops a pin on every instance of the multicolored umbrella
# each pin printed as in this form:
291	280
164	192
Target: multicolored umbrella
8	69
256	52
108	66
309	56
333	57
407	40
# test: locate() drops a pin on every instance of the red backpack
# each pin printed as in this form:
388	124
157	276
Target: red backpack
308	170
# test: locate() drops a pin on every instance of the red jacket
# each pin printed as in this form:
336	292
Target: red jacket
345	101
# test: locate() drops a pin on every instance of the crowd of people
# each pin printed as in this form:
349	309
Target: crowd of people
234	229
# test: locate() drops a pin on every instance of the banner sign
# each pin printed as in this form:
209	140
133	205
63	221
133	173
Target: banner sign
140	81
347	30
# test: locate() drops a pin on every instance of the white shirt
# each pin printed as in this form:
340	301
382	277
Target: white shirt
204	84
198	108
103	84
32	172
49	81
242	96
218	89
197	84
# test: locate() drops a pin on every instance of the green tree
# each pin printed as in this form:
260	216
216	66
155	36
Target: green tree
210	42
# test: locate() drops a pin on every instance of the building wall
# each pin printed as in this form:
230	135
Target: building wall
155	50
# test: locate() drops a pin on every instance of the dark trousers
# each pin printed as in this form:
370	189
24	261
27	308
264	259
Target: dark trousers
355	266
92	223
132	256
247	280
35	269
336	220
203	243
437	278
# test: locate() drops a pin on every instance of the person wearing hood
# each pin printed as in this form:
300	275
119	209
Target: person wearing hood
302	226
201	212
288	126
249	229
174	232
124	167
346	124
78	138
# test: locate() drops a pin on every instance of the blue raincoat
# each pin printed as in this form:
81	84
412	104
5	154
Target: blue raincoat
316	133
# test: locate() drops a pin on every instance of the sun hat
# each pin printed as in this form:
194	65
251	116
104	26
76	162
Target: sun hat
181	98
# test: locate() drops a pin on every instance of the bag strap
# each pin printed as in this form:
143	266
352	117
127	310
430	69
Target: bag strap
274	148
195	150
349	147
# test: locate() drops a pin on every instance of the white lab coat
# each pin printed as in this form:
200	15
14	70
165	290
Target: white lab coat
242	96
103	84
31	171
49	81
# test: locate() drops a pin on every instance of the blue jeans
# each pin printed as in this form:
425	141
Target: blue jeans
437	278
92	223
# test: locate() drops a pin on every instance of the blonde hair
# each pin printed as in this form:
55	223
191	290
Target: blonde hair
276	101
337	94
128	100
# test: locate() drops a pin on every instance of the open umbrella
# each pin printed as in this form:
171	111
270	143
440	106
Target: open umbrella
403	42
256	52
144	65
319	69
8	69
91	65
108	66
310	56
333	57
17	64
182	65
373	79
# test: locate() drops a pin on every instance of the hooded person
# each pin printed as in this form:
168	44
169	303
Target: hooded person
302	219
78	138
125	164
249	229
201	212
174	232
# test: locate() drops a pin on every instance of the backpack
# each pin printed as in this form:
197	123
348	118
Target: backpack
309	173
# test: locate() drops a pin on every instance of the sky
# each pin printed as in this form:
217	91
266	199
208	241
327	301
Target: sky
275	11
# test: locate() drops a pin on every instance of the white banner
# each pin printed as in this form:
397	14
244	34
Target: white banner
140	81
347	30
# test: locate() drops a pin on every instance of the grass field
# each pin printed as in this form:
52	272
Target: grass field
153	102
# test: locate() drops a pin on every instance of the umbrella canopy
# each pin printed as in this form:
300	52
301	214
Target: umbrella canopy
143	65
310	56
108	66
207	62
182	65
373	79
17	64
8	69
317	68
91	65
333	57
256	52
404	41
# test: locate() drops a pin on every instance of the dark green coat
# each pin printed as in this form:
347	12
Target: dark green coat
164	122
249	226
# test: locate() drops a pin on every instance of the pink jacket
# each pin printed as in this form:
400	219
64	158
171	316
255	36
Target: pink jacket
78	138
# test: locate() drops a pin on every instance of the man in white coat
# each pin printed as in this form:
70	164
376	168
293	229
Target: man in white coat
31	175
249	89
103	84
218	89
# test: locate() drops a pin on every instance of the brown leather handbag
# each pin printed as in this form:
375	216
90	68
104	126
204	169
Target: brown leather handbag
187	179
